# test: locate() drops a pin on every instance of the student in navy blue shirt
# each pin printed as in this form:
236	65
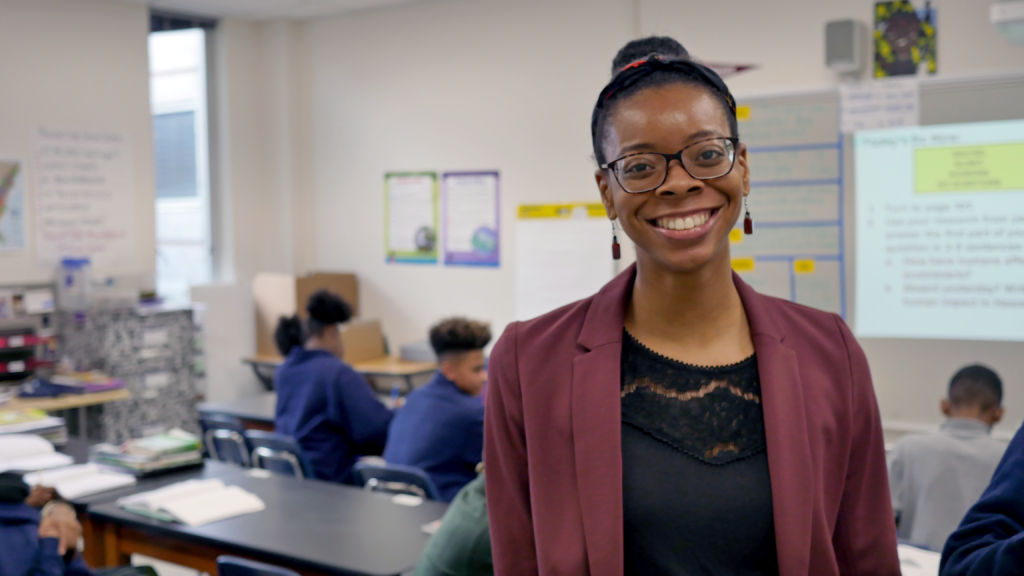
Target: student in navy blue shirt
990	539
440	428
34	542
328	407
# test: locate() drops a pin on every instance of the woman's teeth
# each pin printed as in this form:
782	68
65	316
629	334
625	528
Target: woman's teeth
691	221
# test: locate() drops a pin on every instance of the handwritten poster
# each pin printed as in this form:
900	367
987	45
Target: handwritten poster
471	219
879	104
84	196
410	207
12	205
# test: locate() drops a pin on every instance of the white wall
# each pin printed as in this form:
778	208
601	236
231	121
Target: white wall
456	84
76	64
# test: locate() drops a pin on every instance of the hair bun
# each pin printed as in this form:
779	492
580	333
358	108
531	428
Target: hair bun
328	308
661	46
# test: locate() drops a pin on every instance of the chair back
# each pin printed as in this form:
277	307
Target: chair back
232	566
395	478
224	439
278	453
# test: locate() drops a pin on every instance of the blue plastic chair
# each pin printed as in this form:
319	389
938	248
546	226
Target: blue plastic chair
233	566
395	478
224	439
278	453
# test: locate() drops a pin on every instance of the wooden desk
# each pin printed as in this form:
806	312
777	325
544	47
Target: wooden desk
387	366
72	402
309	526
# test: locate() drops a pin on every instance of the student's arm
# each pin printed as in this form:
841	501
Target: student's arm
473	446
366	417
990	539
59	532
508	484
865	534
896	464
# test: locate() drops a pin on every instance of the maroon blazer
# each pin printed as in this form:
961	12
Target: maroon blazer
553	448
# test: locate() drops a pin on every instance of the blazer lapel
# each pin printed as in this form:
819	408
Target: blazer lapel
596	425
789	451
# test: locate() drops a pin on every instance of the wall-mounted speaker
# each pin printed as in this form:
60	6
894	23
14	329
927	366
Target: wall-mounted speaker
844	45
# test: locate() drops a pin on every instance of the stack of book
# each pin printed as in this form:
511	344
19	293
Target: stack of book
167	451
32	421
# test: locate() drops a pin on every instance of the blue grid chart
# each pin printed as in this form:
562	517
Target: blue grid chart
795	154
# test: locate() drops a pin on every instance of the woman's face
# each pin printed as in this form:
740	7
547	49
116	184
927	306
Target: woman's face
667	119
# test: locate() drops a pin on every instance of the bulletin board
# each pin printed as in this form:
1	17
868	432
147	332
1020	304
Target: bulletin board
795	154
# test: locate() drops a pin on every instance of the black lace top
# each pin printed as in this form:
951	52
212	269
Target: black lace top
696	491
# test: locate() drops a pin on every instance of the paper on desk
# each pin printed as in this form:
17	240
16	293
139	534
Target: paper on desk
917	562
194	502
27	452
80	480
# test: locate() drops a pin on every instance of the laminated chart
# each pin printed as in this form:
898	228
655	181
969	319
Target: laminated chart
795	153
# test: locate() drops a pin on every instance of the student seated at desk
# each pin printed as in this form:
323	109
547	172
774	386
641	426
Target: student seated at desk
34	542
440	428
322	402
936	478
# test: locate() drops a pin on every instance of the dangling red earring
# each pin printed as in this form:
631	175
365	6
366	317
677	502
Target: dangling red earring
616	252
748	222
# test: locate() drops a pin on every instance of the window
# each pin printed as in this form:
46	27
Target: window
178	103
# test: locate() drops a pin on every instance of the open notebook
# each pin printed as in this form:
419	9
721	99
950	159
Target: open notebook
28	453
81	480
194	502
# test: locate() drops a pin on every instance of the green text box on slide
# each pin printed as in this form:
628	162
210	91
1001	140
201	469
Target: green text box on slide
969	168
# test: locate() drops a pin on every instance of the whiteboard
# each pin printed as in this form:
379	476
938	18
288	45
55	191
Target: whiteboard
910	375
563	254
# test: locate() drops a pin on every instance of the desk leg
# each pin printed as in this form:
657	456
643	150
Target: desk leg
93	537
266	380
112	554
408	383
82	428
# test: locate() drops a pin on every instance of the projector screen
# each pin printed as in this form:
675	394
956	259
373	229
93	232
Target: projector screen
940	232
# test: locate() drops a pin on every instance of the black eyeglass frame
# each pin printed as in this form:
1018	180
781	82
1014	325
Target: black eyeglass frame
668	161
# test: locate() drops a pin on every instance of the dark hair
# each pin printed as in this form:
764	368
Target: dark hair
667	48
653	72
457	335
323	309
976	386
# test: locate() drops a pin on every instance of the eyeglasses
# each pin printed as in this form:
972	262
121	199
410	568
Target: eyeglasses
646	171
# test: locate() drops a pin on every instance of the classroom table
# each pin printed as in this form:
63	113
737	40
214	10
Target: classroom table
257	411
309	526
71	402
387	366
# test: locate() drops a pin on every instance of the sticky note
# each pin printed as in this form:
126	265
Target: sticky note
743	264
735	236
743	113
803	266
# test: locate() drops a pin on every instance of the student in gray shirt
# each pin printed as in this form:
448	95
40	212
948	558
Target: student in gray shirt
936	478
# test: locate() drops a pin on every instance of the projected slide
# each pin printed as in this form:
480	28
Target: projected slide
940	232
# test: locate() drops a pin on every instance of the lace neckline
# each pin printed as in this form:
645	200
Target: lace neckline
680	364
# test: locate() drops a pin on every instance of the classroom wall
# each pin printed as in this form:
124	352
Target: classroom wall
77	64
455	84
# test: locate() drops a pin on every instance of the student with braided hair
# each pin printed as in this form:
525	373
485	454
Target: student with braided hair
678	422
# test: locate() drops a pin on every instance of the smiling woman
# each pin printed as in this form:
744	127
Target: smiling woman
677	422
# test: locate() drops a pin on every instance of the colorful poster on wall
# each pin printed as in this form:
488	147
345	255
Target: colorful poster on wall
410	226
471	219
904	39
85	201
12	205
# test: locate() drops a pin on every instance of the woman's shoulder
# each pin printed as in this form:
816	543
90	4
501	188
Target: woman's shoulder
797	322
558	326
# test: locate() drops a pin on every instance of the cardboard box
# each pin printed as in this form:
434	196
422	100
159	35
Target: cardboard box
278	295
